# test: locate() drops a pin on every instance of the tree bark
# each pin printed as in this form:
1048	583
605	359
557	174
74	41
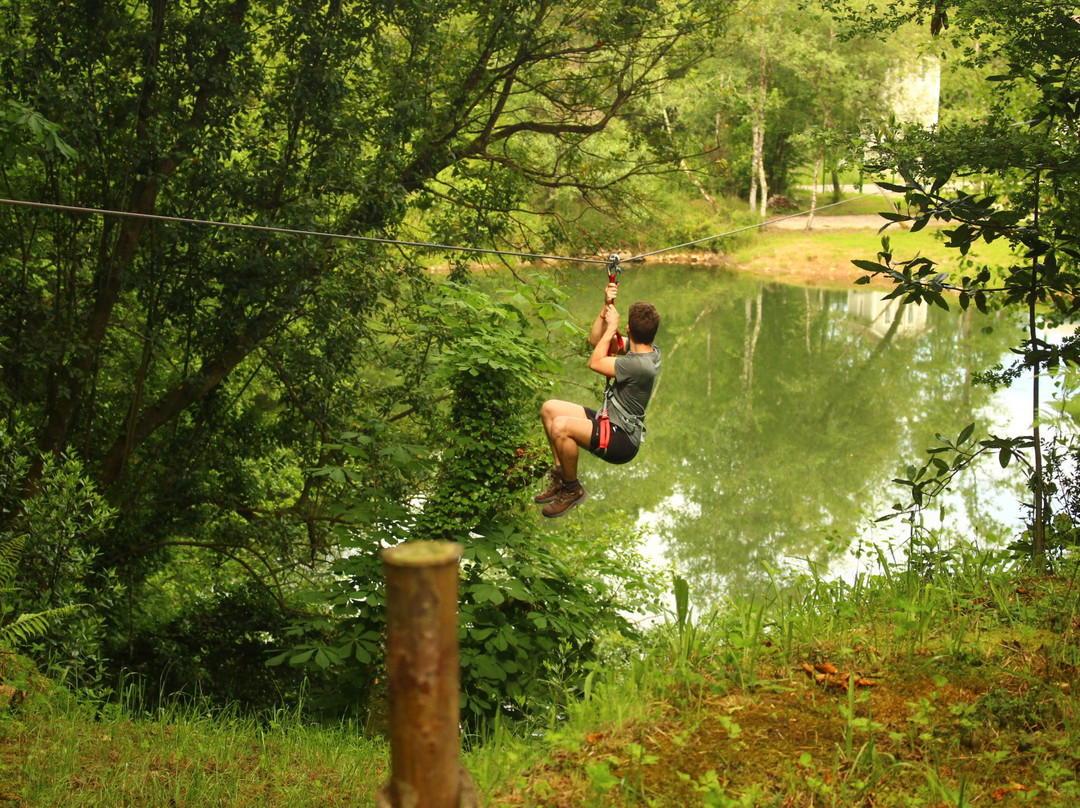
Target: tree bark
813	193
758	165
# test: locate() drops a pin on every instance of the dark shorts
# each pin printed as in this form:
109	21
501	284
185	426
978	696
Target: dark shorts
620	448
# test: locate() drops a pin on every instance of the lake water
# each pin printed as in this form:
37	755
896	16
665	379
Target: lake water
782	414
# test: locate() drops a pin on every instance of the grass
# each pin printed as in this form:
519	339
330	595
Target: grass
867	203
59	752
826	254
950	681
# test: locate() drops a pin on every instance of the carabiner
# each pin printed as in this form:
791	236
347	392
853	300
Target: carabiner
613	268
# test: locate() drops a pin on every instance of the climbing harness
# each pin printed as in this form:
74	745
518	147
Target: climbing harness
603	419
636	423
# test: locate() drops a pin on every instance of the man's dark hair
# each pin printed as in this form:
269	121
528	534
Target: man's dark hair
642	322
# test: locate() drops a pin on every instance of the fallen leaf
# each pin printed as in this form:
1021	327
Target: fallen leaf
827	675
1001	793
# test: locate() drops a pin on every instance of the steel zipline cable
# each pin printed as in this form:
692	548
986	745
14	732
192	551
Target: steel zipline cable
157	217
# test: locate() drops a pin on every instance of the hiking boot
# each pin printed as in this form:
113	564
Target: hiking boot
553	489
565	500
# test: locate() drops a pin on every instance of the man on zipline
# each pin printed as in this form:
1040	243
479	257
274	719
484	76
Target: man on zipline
615	433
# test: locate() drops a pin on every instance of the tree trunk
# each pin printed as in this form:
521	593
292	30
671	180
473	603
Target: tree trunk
758	183
755	160
764	208
1038	483
759	146
813	192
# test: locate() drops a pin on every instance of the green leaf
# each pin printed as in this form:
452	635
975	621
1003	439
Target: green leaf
965	433
515	588
894	217
489	668
486	593
890	186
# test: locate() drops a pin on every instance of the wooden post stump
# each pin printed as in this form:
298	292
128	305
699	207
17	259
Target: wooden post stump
424	678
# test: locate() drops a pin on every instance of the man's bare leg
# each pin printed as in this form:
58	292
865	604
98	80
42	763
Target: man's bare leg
555	415
569	434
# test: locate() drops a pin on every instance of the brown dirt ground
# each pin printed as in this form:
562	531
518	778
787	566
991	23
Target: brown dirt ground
788	742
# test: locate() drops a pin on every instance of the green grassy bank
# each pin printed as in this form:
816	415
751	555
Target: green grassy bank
949	681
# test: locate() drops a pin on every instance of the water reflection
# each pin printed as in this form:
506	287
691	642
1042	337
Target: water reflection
781	416
885	317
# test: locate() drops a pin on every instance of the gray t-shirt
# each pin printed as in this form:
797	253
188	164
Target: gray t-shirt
628	396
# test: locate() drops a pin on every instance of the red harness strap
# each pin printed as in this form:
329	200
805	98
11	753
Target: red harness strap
602	419
605	430
614	270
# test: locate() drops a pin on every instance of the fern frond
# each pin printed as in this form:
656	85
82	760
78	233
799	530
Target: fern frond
10	553
28	626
